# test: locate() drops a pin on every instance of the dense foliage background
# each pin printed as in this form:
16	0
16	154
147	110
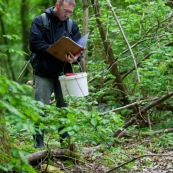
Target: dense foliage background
124	98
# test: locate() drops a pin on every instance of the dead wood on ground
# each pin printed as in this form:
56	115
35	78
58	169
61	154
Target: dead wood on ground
142	111
36	157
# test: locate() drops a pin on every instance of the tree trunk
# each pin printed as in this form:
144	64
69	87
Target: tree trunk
7	62
110	56
85	30
25	32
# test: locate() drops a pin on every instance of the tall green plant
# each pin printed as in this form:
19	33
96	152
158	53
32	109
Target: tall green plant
20	113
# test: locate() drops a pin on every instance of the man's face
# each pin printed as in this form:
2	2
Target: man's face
64	11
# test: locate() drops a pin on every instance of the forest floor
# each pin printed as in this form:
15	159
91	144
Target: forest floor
162	163
133	155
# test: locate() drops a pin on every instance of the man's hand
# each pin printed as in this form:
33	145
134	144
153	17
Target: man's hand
71	58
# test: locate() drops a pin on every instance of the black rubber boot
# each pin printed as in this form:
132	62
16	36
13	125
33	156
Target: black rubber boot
39	140
64	138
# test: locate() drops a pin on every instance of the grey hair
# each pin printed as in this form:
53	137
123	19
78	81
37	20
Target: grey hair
70	2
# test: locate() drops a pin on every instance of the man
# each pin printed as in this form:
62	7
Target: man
47	68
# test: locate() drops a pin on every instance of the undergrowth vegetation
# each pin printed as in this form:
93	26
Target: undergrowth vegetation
93	121
85	123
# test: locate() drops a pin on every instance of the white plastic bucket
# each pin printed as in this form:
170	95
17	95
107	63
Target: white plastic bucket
75	85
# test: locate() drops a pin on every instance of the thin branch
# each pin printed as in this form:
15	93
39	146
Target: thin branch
120	108
127	106
23	70
142	111
145	34
149	133
139	64
129	47
136	158
125	73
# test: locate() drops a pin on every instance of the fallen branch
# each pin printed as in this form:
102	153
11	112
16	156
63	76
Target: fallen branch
36	156
136	158
137	103
140	113
41	155
165	107
149	133
123	107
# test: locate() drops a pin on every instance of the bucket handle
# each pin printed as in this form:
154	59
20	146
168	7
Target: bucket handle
72	67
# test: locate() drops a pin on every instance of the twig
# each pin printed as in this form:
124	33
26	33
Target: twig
124	133
26	65
146	155
142	111
129	47
127	106
169	130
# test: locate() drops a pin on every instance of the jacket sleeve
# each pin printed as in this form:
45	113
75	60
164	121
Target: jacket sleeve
36	40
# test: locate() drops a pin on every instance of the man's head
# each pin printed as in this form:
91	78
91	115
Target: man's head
64	8
70	2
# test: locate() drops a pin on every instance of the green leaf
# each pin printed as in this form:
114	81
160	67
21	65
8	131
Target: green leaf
94	121
76	128
10	108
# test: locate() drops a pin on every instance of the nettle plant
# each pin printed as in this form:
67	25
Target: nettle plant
20	113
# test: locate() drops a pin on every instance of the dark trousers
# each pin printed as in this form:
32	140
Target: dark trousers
44	87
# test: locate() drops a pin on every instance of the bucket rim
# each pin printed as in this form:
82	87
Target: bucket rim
76	76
